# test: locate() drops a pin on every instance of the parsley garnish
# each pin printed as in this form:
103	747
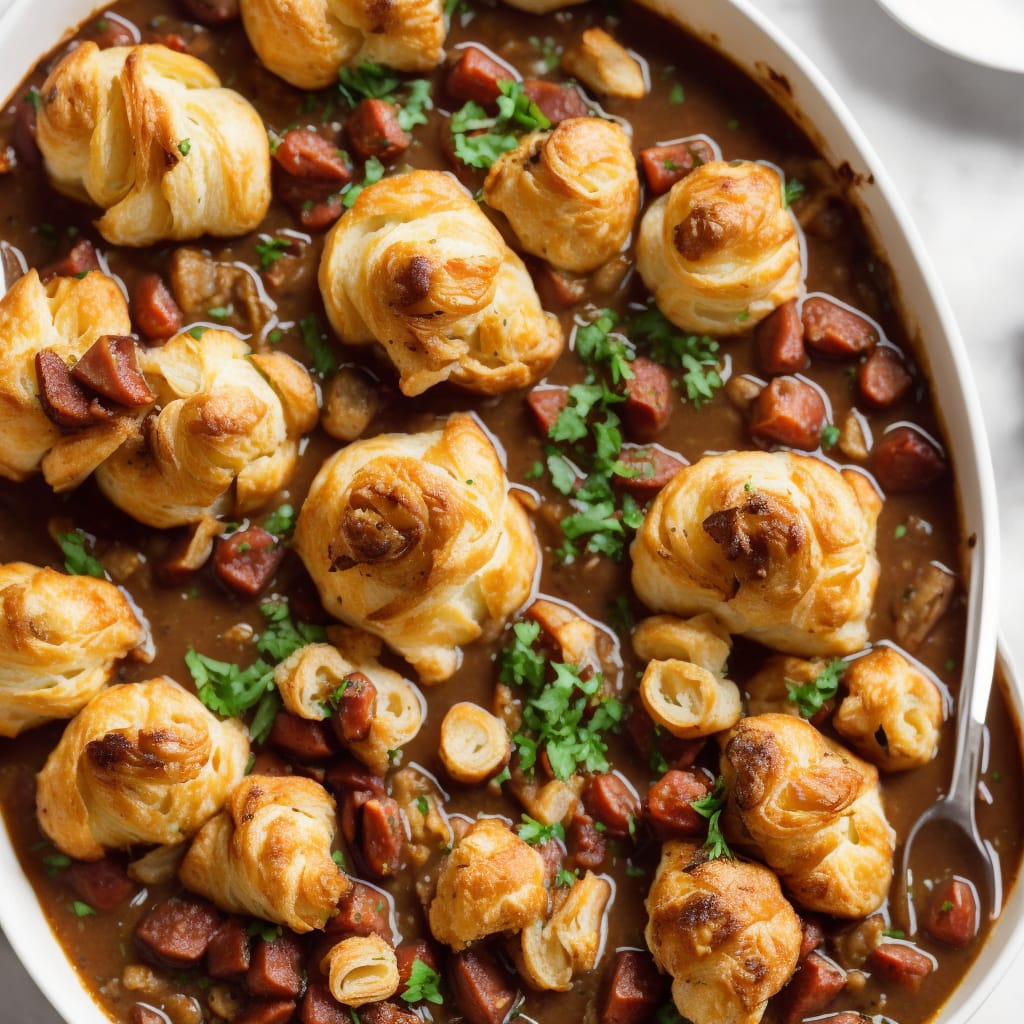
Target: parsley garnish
324	361
829	436
280	522
533	832
596	343
565	879
894	933
185	147
811	697
710	807
32	97
947	906
197	332
80	909
900	532
676	95
270	250
413	110
367	81
548	50
77	560
373	171
422	984
266	930
339	858
792	191
480	139
220	312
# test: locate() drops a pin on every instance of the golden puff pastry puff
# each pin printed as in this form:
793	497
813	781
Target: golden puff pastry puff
720	251
305	42
416	538
149	135
268	853
812	811
491	882
66	315
571	195
416	266
226	438
777	546
140	763
59	639
892	712
309	678
724	931
361	969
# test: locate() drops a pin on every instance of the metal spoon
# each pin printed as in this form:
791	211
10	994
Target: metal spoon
976	858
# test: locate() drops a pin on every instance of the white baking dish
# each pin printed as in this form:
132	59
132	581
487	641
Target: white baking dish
32	27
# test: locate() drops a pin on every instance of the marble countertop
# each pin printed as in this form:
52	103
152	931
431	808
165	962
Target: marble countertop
951	135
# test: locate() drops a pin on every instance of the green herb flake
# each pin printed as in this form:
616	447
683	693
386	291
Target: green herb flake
732	124
80	909
829	436
77	559
265	930
900	532
367	81
676	94
197	332
423	984
635	872
423	805
946	907
373	171
533	832
565	879
220	312
894	933
185	147
270	250
313	337
710	807
480	139
281	522
34	98
339	858
275	336
810	697
412	111
792	191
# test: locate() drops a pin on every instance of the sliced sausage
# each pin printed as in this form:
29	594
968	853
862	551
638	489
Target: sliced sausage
633	989
301	738
905	965
103	884
904	460
211	12
834	330
475	76
110	367
587	847
347	775
177	932
275	969
386	1013
546	404
303	153
780	341
142	1014
362	911
557	290
788	411
883	379
556	102
318	1006
154	310
609	800
815	984
655	745
655	466
229	953
356	708
812	935
952	915
267	1011
665	165
63	399
483	991
316	203
668	804
383	837
650	399
80	260
407	953
247	560
373	130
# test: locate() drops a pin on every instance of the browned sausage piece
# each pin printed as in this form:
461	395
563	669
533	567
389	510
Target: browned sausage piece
883	379
267	1011
301	738
904	460
609	800
952	915
788	411
546	404
815	984
63	399
275	969
373	130
318	1006
314	201
177	932
110	367
80	260
556	290
211	12
484	993
154	310
633	989
383	838
407	953
475	76
355	709
556	102
303	153
902	964
228	955
780	341
656	744
142	1014
665	165
587	848
362	911
113	34
834	330
650	399
23	137
247	560
386	1013
347	775
655	466
667	806
812	935
103	884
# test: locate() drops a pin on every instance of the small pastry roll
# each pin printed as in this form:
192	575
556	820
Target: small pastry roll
579	640
811	811
416	266
766	690
415	538
605	66
268	853
474	744
140	763
59	638
555	951
149	135
307	41
701	640
361	969
491	882
571	195
777	546
227	435
719	250
892	712
688	700
67	315
724	932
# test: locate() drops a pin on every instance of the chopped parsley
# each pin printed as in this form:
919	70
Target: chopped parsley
710	807
80	909
900	532
677	95
339	858
220	312
894	933
596	343
77	559
533	832
33	98
196	332
368	81
565	879
792	191
829	436
548	50
480	139
413	110
270	250
373	171
946	907
280	522
324	361
422	984
185	147
810	697
266	930
423	805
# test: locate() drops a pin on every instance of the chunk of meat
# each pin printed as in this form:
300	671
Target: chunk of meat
546	404
556	102
812	935
780	341
347	775
650	399
247	560
906	965
80	260
904	460
362	911
317	203
610	801
952	914
200	284
483	991
665	165
154	310
177	932
788	411
834	330
103	884
587	847
142	1014
557	290
351	401
658	746
383	836
63	399
373	130
883	379
355	710
815	984
303	153
318	1006
751	533
633	989
267	1011
668	804
919	608
301	739
229	953
212	13
275	970
386	1013
113	33
655	466
110	367
475	76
